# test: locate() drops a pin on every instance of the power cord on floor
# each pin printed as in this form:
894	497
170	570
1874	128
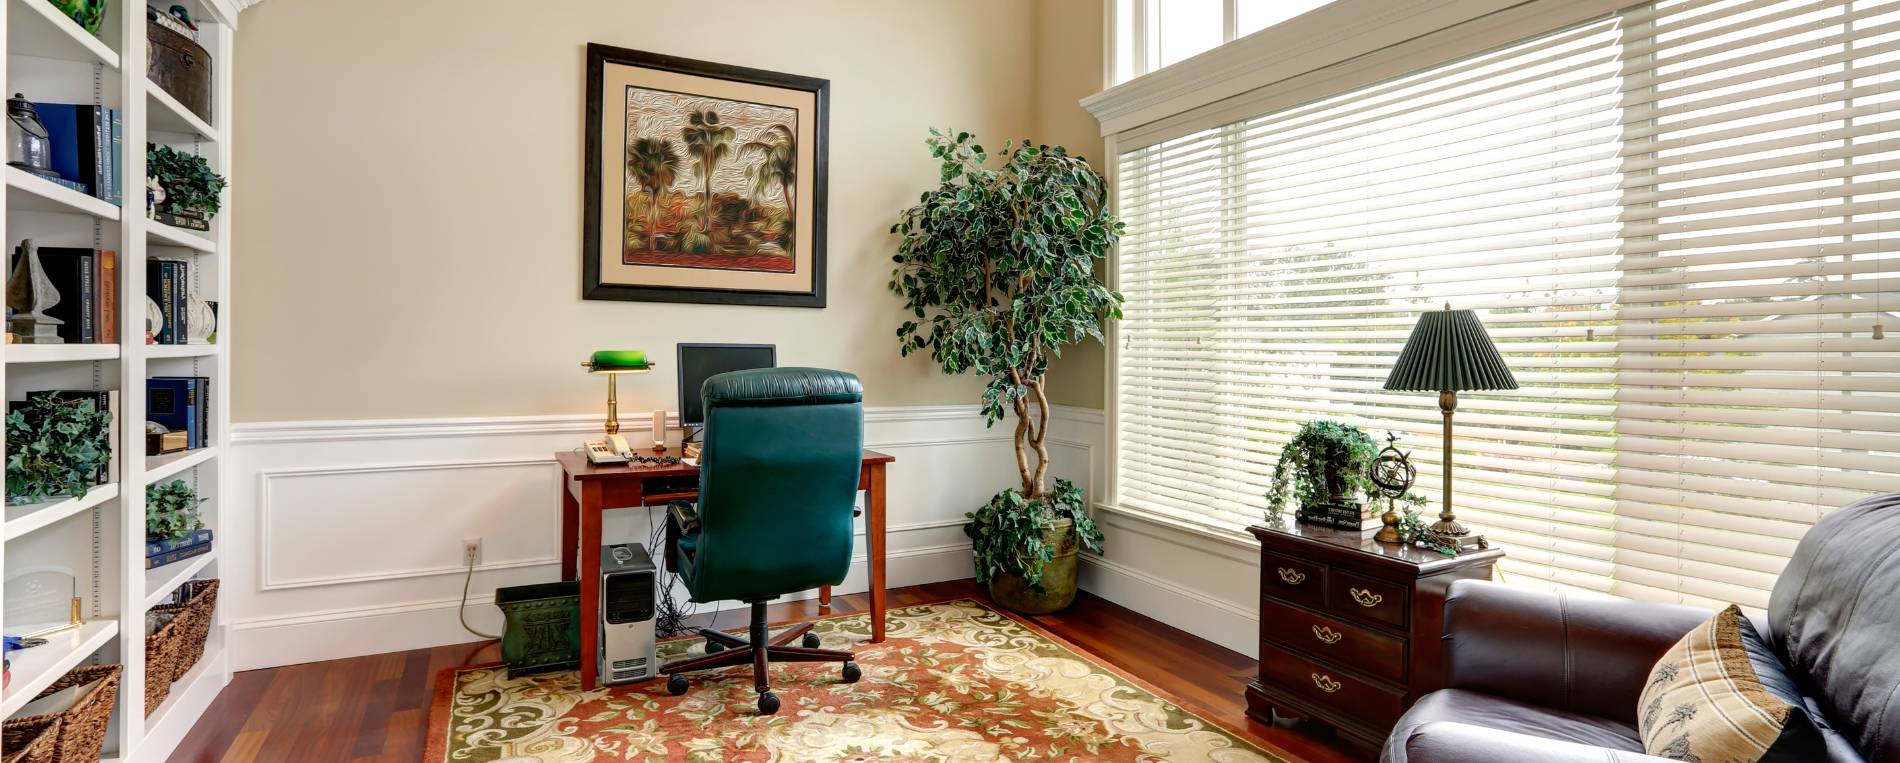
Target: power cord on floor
669	617
462	611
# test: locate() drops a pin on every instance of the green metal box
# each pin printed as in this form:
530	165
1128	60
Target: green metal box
543	627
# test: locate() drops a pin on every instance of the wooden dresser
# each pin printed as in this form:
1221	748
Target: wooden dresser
1349	628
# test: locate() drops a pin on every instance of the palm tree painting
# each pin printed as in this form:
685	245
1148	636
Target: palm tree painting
710	182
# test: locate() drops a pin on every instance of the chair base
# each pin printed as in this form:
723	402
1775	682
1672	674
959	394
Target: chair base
725	650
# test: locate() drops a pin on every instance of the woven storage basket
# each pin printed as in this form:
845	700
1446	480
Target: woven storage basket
81	730
178	644
31	740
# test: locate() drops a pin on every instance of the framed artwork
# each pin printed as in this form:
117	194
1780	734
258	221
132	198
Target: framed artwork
703	182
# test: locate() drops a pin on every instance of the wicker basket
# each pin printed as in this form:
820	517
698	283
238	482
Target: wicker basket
178	644
80	732
31	740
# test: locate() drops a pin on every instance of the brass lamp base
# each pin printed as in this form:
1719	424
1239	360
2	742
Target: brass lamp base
1454	535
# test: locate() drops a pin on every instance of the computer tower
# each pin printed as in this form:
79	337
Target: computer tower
627	580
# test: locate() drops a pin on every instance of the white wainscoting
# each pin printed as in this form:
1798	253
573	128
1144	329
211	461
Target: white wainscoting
354	543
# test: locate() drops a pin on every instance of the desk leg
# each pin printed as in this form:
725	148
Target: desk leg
874	529
824	596
590	581
570	528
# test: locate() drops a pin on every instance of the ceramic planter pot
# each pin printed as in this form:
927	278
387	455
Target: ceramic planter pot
1058	578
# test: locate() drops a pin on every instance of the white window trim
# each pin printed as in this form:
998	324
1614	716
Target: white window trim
1265	64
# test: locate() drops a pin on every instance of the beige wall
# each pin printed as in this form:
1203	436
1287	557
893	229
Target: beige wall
407	190
1068	52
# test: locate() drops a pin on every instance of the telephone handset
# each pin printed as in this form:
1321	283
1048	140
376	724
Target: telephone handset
613	450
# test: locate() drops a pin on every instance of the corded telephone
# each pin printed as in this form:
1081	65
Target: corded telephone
613	450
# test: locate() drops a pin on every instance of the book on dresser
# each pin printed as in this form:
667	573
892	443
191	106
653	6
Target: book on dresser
1350	627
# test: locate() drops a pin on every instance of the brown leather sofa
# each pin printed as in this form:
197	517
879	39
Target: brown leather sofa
1535	676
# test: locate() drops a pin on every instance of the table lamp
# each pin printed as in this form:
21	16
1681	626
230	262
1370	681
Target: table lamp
1449	351
613	363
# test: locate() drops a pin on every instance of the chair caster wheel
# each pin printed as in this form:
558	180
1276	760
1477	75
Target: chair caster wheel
768	703
852	673
676	684
714	647
811	641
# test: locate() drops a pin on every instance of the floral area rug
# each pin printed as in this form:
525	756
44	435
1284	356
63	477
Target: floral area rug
955	681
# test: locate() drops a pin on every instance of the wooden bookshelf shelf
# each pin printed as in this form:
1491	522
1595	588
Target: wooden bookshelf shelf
160	582
160	468
160	234
37	668
33	516
32	194
165	114
180	350
36	28
60	353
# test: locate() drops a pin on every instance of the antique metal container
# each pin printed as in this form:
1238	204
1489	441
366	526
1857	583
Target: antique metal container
543	627
180	66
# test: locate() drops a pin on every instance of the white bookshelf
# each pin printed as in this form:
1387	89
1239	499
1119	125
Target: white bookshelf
99	537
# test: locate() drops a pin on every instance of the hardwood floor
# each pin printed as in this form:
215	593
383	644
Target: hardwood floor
376	708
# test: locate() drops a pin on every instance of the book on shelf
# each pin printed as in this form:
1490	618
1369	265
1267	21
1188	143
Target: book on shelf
177	555
81	138
180	404
160	547
188	222
109	398
167	283
87	282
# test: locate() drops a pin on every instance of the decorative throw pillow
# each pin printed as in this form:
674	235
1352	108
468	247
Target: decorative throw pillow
1719	695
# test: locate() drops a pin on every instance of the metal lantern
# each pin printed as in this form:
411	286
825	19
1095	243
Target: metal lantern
28	146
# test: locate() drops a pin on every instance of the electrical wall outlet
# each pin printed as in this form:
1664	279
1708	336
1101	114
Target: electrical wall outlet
471	551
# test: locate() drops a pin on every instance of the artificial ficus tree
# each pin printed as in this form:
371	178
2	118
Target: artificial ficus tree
996	267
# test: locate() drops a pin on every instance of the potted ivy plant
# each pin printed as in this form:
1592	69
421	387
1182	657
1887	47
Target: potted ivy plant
996	268
188	191
171	511
1324	464
56	446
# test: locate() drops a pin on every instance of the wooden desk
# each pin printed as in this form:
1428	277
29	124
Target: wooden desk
587	490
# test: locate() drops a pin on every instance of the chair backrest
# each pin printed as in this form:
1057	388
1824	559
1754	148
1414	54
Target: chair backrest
778	482
1834	617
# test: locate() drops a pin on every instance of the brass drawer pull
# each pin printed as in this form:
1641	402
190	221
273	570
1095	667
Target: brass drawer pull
1325	683
1364	597
1292	576
1327	635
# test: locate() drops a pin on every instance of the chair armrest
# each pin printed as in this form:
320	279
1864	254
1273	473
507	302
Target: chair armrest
1578	652
1445	742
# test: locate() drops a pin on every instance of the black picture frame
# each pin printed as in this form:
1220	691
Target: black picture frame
598	56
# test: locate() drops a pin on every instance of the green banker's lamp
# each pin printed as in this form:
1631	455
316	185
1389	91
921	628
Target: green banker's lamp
613	363
1449	351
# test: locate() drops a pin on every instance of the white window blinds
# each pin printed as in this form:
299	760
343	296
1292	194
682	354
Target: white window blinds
1674	222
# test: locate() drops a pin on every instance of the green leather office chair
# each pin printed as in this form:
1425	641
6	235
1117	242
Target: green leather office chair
778	483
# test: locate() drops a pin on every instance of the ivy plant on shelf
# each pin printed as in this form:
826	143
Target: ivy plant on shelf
190	188
1324	463
996	267
171	511
56	447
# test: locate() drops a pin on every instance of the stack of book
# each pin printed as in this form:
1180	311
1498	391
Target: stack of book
168	283
181	404
87	147
106	398
1345	516
88	286
159	553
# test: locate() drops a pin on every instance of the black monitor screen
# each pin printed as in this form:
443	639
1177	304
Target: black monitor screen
698	362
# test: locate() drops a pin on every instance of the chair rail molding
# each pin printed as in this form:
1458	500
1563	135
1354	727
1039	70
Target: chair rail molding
358	525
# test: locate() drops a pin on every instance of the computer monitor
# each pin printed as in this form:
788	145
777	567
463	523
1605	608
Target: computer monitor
698	362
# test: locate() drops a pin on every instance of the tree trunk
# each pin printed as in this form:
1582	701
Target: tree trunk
1041	435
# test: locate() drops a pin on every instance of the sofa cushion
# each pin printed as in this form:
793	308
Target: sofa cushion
1834	616
1720	695
1493	712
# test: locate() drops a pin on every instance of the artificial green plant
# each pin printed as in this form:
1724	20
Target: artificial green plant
996	266
171	511
56	446
189	183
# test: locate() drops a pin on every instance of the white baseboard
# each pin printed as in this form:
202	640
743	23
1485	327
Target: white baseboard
1198	613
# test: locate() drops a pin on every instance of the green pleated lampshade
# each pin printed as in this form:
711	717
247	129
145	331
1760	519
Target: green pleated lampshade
1449	350
618	362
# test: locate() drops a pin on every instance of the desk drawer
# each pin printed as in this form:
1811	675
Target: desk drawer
1364	649
1330	688
1291	579
1366	599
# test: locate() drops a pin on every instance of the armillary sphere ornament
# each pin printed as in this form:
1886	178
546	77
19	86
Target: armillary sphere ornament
1392	472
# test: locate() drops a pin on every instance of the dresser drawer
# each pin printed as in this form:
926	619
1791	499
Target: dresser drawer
1363	598
1335	641
1291	579
1329	688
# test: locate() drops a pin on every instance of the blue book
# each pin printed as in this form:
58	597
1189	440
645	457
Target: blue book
178	555
116	177
157	547
194	400
78	137
168	402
